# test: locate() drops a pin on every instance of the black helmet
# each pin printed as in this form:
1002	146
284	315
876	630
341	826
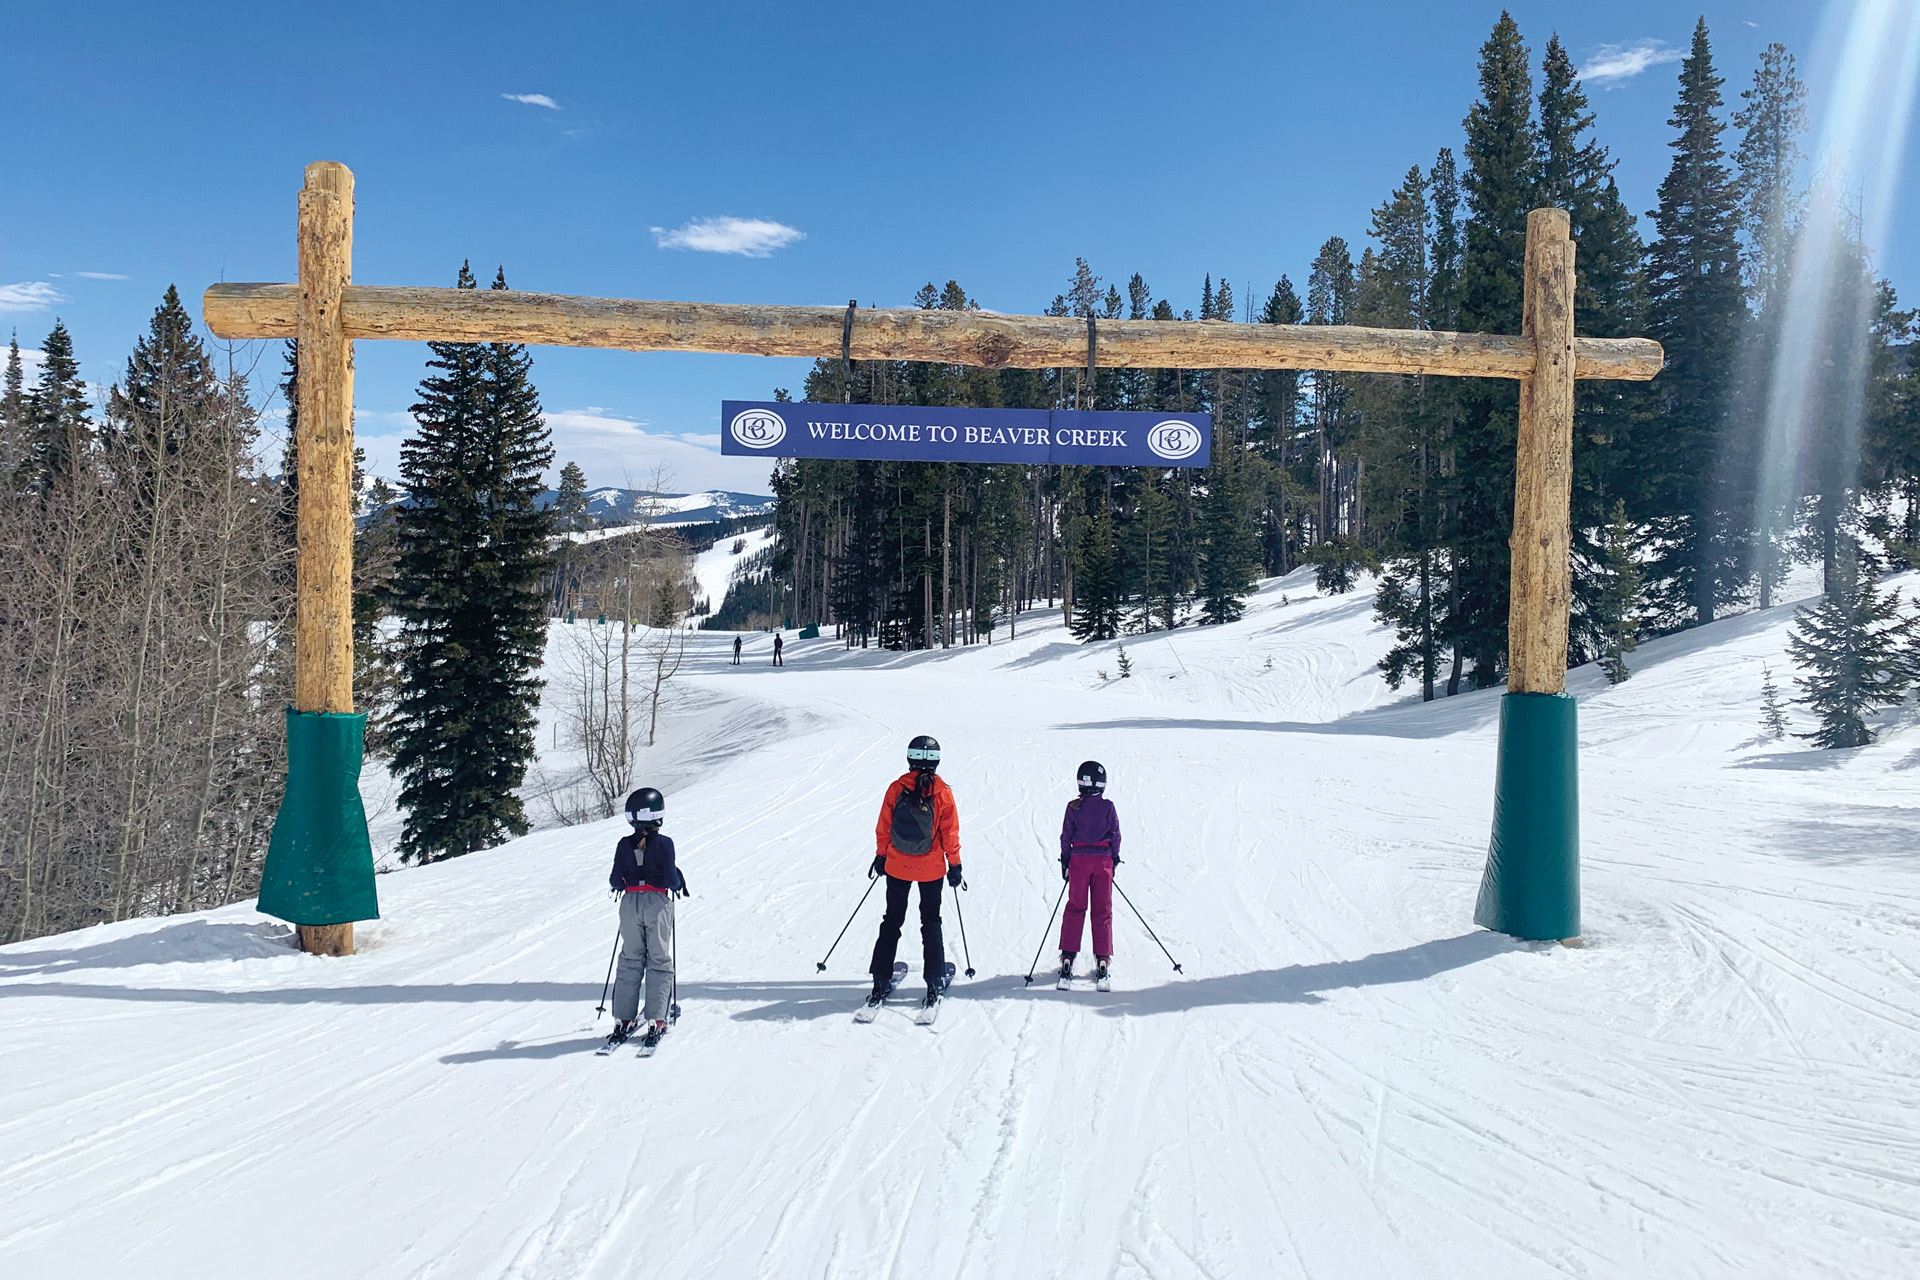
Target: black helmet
1093	777
923	753
646	808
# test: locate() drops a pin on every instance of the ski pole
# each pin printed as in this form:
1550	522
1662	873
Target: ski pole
968	955
821	967
1049	933
609	982
673	989
1149	928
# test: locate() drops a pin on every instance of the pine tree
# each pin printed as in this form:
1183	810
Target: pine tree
1697	310
13	411
1770	124
473	552
1096	580
1329	299
168	392
59	434
1230	555
1852	648
1773	714
570	500
1617	607
1498	186
1576	174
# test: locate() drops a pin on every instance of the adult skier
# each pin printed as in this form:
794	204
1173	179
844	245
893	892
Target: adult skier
736	651
646	875
917	841
1089	852
778	645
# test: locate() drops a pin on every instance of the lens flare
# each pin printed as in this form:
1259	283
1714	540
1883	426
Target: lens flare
1816	390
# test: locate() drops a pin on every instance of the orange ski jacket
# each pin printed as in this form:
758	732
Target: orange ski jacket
945	852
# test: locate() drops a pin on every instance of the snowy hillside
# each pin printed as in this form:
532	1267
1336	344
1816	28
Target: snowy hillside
1349	1080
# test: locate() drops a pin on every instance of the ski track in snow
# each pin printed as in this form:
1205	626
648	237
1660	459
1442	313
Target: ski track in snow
1348	1080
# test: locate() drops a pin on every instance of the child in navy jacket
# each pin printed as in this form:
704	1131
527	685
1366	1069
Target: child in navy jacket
646	877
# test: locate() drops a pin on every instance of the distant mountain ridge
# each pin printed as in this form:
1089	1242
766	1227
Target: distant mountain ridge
615	506
610	506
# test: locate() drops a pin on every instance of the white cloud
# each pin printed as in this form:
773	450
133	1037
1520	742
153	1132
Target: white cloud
533	100
748	237
612	450
31	295
100	275
1612	65
30	358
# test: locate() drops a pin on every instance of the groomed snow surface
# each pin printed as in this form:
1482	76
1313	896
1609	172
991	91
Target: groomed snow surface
1350	1080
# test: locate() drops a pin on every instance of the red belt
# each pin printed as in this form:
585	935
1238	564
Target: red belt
645	888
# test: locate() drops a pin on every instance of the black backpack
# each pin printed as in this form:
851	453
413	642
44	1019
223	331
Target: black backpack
913	821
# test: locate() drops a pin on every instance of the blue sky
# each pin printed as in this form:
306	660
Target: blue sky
867	148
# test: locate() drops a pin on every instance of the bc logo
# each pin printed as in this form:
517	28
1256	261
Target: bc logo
1174	440
760	428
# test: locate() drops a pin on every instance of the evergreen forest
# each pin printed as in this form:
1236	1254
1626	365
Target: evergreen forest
1678	516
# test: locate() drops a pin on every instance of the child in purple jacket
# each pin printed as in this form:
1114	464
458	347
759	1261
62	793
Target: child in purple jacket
1089	851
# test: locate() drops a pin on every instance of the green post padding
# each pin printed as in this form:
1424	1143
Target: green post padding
1531	888
809	633
319	863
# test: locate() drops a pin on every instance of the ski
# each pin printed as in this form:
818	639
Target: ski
1065	981
1102	979
612	1042
649	1042
931	1008
869	1011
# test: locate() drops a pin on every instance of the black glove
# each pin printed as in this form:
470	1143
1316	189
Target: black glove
953	875
1063	866
682	890
879	867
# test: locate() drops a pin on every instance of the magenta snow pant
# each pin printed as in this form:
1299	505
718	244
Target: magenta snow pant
1089	871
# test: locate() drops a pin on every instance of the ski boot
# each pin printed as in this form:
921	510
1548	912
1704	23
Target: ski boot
1102	974
651	1040
621	1031
1066	970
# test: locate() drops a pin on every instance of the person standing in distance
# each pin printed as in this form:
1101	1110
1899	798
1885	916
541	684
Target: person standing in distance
1089	851
917	841
778	645
736	651
646	875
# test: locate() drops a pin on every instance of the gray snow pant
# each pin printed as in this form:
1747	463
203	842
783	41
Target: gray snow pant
646	947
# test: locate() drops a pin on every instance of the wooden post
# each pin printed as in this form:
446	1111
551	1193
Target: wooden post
1542	539
323	600
1531	887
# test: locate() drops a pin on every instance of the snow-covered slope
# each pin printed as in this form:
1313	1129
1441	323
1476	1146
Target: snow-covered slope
1349	1080
713	568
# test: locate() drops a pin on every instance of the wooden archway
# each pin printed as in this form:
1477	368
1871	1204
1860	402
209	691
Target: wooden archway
1531	886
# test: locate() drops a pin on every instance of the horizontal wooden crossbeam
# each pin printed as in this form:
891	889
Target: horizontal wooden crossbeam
980	338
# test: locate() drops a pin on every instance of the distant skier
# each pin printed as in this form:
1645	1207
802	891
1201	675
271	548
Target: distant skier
917	841
1089	852
736	651
646	876
778	645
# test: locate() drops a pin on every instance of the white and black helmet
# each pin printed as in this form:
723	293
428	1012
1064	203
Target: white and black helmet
923	753
1092	777
646	807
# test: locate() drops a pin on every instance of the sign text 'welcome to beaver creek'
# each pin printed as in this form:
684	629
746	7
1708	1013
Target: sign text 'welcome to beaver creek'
907	433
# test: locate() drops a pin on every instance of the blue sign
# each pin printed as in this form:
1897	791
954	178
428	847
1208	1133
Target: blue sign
903	433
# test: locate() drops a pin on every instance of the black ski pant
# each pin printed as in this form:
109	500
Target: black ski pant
933	947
